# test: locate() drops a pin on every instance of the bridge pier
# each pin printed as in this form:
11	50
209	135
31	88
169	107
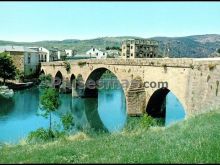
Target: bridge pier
74	91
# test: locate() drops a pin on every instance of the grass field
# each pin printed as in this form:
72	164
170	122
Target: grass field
196	140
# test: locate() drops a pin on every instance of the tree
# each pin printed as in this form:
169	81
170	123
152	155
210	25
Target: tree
218	50
50	103
19	75
45	80
7	68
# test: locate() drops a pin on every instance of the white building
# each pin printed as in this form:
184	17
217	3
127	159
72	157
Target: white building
97	53
25	59
55	54
43	53
69	52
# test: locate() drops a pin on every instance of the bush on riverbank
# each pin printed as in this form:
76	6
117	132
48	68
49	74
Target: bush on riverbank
44	135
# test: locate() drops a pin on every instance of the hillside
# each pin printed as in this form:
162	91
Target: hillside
195	140
189	46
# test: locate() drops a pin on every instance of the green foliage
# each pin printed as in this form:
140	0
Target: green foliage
80	63
7	68
147	121
67	121
211	66
141	123
50	102
67	66
179	46
40	135
218	50
43	135
113	48
45	80
19	75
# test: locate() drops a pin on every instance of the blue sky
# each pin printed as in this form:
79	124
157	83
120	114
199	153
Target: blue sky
35	21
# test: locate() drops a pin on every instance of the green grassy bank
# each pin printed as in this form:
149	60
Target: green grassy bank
196	140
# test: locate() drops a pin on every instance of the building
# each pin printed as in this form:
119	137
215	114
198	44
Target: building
44	54
55	54
139	48
70	52
112	53
97	53
25	59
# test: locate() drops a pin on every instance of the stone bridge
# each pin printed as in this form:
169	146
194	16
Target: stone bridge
195	82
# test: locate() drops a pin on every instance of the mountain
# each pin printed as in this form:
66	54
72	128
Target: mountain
188	46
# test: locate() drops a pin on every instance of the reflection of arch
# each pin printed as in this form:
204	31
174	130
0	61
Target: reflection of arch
136	95
103	100
163	104
58	79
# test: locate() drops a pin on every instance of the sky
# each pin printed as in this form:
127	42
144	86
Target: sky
36	21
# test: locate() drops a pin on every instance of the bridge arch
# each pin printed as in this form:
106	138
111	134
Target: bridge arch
164	105
58	79
42	72
104	87
95	76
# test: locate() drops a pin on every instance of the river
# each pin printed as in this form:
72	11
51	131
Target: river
18	116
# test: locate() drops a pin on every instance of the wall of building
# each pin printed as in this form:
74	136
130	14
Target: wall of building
18	60
31	65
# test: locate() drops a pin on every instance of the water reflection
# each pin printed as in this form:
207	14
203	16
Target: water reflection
111	109
19	116
174	109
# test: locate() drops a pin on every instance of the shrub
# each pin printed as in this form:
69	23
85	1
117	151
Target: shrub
80	63
67	121
212	66
147	121
44	135
67	66
40	135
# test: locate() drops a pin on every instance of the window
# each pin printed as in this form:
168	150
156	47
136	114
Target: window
131	54
29	58
97	54
93	49
123	54
131	47
124	47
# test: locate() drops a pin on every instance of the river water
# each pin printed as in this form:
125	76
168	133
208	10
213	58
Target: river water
18	116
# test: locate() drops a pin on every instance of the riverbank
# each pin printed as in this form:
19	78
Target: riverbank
195	140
